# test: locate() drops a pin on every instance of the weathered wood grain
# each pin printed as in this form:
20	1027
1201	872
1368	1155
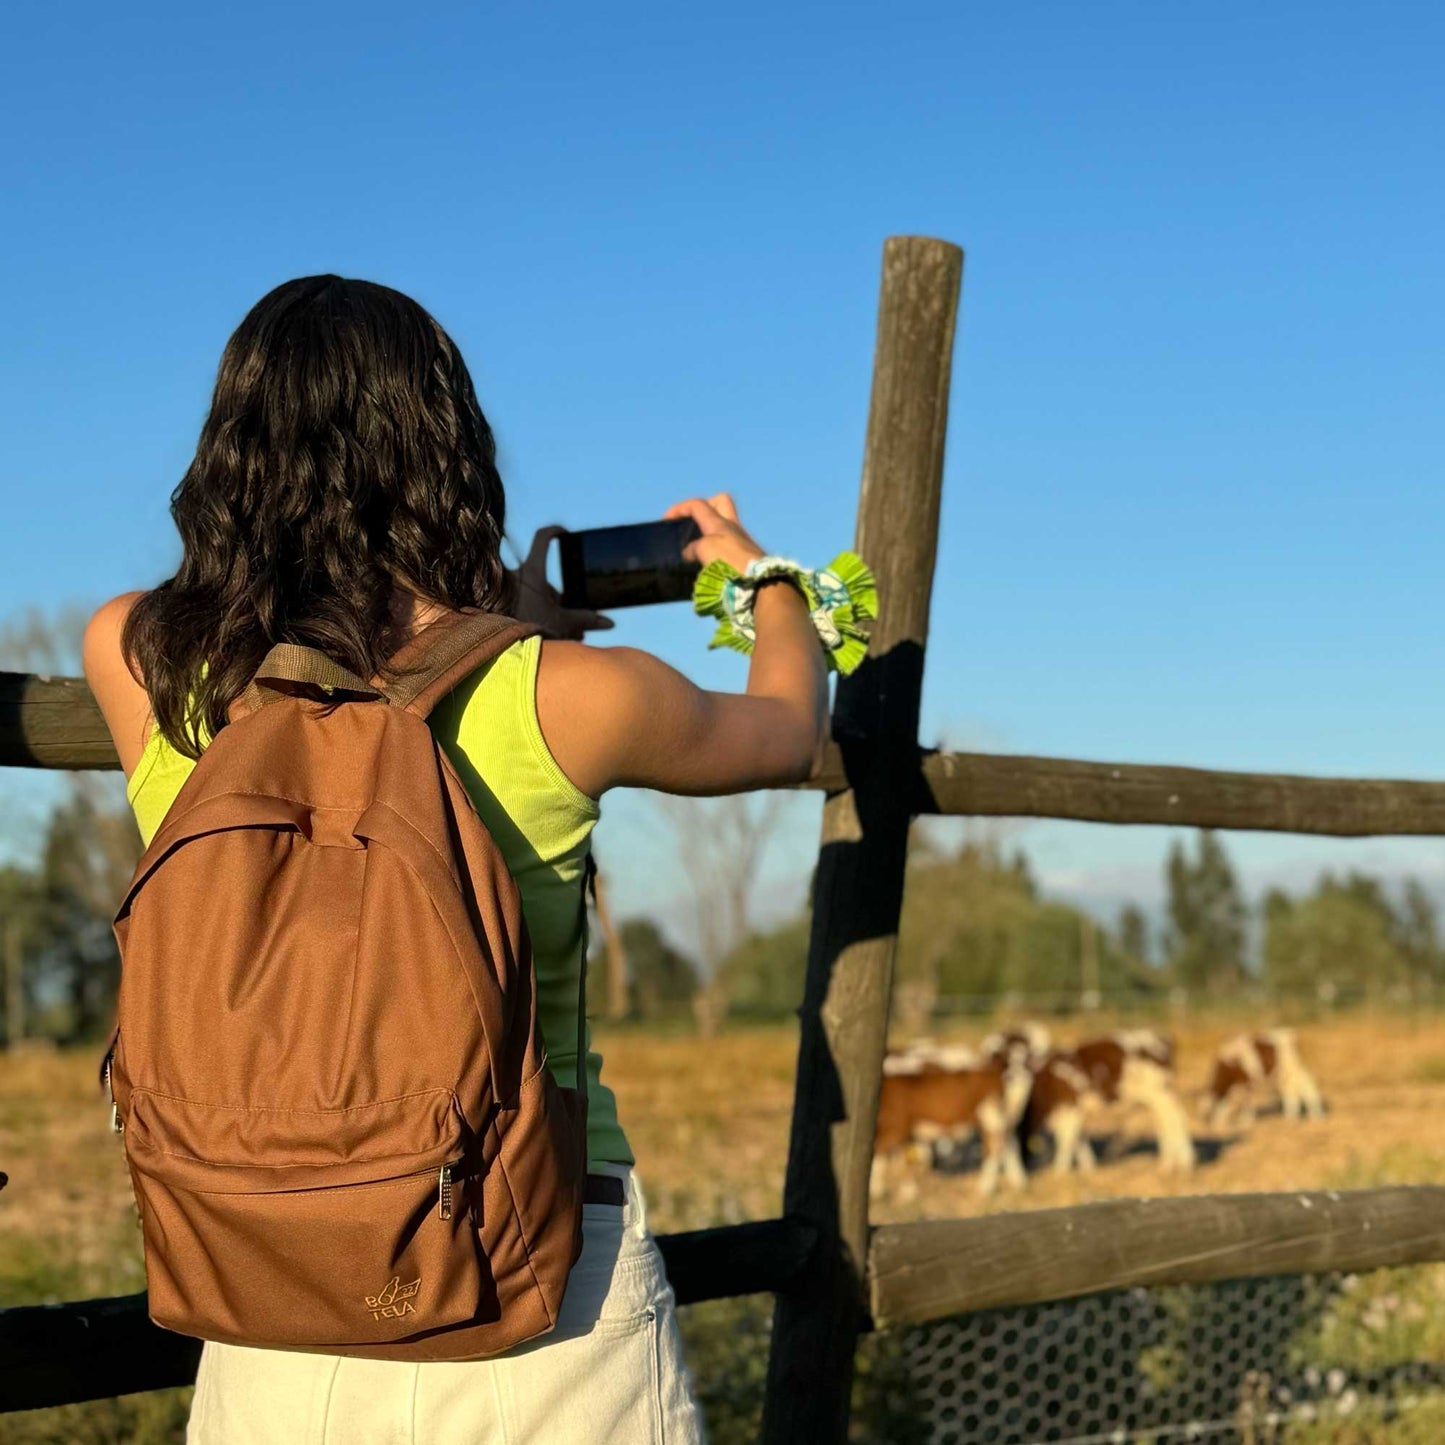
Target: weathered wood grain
929	1270
51	722
859	883
1000	785
54	723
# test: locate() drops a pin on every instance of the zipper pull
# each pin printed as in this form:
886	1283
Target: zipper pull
117	1124
444	1192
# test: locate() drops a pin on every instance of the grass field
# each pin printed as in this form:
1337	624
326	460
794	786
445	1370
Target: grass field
709	1124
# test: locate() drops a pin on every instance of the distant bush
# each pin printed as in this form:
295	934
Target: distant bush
663	980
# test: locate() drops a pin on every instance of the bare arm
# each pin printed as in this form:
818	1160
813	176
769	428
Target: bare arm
617	716
123	701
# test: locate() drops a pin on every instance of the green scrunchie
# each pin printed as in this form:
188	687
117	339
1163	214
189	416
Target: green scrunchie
841	597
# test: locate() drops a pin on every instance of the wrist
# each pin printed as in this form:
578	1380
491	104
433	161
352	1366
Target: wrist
744	555
769	589
839	600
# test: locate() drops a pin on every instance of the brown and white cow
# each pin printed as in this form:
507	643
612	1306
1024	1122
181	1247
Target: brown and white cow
1060	1101
1026	1043
1253	1067
932	1092
1131	1067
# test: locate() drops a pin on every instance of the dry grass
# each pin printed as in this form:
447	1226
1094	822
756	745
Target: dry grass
709	1124
708	1121
66	1218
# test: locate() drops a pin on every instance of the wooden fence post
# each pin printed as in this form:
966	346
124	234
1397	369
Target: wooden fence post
858	890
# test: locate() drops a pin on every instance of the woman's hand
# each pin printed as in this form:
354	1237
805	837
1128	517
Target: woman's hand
538	602
722	534
613	716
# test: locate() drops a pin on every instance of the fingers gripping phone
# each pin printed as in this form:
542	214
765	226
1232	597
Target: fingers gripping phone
609	567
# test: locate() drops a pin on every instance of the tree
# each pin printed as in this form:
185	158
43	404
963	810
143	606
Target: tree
1206	917
1134	934
663	980
614	951
720	843
1418	932
24	926
1336	941
82	852
975	927
764	974
91	849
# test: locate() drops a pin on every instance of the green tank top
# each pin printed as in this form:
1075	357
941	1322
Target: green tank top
542	823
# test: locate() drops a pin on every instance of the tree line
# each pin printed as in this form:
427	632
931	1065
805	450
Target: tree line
978	930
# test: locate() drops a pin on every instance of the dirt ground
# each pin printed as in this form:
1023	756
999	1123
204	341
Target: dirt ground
709	1124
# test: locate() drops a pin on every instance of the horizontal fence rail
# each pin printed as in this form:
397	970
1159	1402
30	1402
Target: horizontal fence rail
51	722
936	1268
1003	785
54	723
92	1349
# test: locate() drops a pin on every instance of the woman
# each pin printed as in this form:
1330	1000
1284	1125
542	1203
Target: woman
344	493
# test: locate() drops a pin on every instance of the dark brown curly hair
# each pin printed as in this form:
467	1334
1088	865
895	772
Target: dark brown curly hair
344	456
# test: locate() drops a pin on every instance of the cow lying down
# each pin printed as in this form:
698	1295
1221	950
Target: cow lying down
1251	1068
932	1093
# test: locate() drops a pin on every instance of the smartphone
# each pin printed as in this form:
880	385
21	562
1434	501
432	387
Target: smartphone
609	567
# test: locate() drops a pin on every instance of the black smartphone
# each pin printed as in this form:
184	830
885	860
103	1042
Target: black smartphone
609	567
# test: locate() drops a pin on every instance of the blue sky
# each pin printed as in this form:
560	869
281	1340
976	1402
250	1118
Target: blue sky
1192	509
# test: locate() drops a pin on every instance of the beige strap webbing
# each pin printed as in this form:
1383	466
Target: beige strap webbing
291	662
446	651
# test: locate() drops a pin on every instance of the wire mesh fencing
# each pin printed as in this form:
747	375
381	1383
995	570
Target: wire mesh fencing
1296	1360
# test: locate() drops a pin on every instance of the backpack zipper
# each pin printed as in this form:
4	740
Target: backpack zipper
117	1124
445	1177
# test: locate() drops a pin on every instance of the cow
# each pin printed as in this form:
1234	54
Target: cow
1134	1066
1253	1066
925	1053
1026	1043
1061	1097
930	1093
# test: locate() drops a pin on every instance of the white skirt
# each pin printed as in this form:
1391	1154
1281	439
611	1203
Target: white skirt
611	1373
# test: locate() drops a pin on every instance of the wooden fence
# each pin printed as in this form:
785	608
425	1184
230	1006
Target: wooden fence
834	1274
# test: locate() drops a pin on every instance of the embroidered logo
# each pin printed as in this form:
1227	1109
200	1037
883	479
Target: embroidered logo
394	1301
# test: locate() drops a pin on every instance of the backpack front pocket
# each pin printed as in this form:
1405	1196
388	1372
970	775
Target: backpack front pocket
358	1242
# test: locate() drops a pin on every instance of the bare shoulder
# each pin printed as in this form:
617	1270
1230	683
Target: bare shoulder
597	705
122	696
570	664
100	649
606	682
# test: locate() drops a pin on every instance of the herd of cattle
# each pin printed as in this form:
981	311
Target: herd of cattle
1017	1087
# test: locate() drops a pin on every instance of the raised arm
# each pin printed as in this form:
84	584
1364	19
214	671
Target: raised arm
617	716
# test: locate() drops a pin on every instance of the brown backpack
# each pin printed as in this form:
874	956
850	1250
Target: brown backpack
337	1114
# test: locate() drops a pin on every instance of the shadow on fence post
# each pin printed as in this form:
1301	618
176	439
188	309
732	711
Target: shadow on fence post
859	887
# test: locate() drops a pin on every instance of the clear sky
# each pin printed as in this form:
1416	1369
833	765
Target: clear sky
1192	509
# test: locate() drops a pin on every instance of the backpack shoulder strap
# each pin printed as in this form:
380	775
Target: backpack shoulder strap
291	662
446	651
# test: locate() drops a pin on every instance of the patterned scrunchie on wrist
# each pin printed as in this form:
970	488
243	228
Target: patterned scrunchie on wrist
841	597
